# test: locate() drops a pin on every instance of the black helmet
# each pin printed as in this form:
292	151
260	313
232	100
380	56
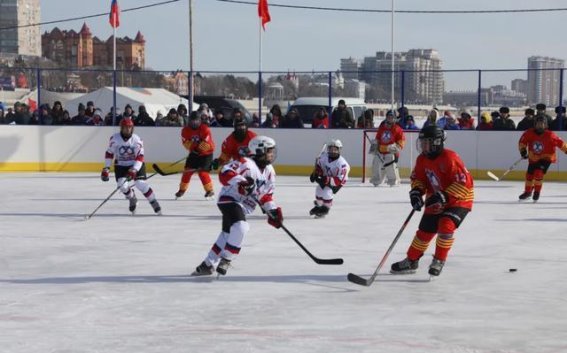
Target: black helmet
540	128
430	141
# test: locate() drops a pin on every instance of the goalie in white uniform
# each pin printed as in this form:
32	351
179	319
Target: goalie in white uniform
330	174
246	182
126	149
386	147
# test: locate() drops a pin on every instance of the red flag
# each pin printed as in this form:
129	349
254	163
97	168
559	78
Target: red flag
114	18
264	12
32	104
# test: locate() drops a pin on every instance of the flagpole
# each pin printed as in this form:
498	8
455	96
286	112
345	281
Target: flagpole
260	71
114	75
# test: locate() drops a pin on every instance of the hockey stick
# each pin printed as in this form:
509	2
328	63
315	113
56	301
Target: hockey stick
317	260
493	176
87	217
171	165
367	282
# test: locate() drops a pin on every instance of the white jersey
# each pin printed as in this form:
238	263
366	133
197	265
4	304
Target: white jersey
235	172
129	153
337	170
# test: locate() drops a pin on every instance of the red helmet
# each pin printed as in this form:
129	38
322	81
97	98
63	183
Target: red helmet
126	122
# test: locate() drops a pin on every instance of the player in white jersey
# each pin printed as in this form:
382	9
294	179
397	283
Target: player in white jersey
330	174
126	149
246	182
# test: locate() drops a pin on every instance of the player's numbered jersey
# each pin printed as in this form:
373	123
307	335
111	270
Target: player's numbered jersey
126	153
265	184
338	169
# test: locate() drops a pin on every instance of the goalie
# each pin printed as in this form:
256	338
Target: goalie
386	147
330	174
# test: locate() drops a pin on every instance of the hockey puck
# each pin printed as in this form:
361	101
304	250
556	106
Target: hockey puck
513	270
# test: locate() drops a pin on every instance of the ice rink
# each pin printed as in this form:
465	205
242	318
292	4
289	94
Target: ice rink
119	283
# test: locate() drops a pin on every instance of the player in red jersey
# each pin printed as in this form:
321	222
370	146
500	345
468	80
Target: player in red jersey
233	145
389	141
197	139
441	176
538	146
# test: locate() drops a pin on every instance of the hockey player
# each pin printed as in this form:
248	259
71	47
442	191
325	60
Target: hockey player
330	174
234	143
441	176
389	142
538	145
245	181
197	139
126	149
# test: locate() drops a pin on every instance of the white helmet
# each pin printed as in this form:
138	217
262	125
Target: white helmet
259	145
337	144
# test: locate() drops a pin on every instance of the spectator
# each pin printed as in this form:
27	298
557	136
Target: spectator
504	123
277	116
172	119
528	121
410	123
255	120
108	119
221	120
96	119
269	122
21	114
442	123
205	118
451	123
159	118
560	121
129	112
34	119
466	121
485	121
89	111
66	118
341	118
143	118
81	118
9	117
2	114
431	118
182	111
541	110
320	119
292	120
403	113
204	107
45	117
57	113
366	120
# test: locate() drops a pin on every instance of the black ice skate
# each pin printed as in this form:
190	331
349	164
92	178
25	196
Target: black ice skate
322	212
156	207
436	267
210	195
179	193
525	196
203	270
535	197
315	210
133	203
223	266
404	267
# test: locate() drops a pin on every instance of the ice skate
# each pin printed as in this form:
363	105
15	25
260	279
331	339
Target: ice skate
322	212
404	267
535	197
223	266
133	202
210	195
179	194
436	267
203	270
315	210
525	196
156	207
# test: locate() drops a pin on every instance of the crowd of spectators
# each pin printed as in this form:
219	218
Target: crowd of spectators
340	118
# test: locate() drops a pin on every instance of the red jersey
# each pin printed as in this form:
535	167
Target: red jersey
231	147
541	147
445	173
198	140
386	136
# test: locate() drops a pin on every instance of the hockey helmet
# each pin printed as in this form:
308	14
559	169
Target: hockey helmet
540	123
431	141
334	148
126	127
195	120
263	150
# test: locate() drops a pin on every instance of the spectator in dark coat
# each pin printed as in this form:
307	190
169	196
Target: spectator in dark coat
410	123
97	118
81	118
366	120
143	118
222	121
541	110
341	117
292	120
528	121
560	121
45	117
504	123
57	113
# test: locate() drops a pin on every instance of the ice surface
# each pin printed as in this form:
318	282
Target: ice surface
119	283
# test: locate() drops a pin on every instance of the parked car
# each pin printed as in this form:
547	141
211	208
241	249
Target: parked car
226	105
308	106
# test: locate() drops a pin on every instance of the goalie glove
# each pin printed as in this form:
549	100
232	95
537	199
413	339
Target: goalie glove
416	199
105	174
246	187
275	217
436	202
524	153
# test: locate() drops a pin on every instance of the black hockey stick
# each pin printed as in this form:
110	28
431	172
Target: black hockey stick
87	217
317	260
162	173
171	165
367	282
493	176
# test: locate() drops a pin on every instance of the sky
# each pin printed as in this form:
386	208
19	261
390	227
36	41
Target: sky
119	283
226	35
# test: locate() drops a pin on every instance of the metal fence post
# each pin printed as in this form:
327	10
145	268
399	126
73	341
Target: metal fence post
330	92
114	97
479	96
561	115
402	88
259	97
38	73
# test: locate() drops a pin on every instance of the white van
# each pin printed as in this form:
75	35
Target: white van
308	106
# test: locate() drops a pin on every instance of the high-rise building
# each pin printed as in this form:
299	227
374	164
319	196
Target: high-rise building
544	80
18	37
349	68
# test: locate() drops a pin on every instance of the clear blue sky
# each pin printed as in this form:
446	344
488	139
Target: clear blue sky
226	35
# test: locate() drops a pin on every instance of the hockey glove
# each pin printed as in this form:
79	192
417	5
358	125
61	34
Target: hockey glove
335	189
436	202
416	199
312	177
524	153
275	217
105	174
322	181
246	187
215	164
132	174
393	148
